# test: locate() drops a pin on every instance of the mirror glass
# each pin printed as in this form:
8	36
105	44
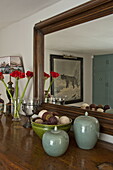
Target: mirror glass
84	40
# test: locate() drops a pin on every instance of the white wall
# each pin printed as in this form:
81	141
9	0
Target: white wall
17	39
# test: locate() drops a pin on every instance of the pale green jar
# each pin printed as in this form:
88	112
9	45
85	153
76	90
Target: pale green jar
86	131
55	142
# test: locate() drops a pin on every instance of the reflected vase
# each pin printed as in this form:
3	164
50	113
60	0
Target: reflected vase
47	96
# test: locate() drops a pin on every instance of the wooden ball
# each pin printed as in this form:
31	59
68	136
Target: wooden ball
64	120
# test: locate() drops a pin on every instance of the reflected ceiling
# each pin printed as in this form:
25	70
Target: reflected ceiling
95	37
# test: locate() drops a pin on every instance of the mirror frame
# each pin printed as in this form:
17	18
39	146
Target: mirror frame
86	12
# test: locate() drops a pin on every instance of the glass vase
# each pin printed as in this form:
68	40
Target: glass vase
16	110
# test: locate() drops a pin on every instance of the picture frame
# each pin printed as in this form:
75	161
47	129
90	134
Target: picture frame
69	85
9	64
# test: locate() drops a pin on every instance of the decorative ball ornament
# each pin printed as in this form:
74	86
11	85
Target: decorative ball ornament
40	114
100	110
93	107
64	120
84	106
38	121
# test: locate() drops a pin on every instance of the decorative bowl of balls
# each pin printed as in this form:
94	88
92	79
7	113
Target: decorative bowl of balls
47	120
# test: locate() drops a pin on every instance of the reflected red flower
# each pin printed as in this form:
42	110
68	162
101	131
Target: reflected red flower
1	76
54	74
46	76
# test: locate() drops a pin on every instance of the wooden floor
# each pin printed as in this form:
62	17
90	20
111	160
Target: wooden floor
21	149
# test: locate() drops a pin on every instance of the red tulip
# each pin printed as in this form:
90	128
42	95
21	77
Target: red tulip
29	74
1	76
46	75
54	74
17	74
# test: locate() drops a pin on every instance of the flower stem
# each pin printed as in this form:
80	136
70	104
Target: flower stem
49	87
23	93
16	92
25	87
44	83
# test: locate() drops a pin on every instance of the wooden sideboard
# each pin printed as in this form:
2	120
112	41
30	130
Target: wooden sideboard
21	149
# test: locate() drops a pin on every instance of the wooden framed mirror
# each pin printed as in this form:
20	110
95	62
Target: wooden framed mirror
86	12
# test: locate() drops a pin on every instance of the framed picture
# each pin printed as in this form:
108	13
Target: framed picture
69	85
11	63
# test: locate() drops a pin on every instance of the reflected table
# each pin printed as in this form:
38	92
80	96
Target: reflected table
21	149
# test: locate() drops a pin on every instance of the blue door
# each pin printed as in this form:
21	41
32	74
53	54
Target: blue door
103	79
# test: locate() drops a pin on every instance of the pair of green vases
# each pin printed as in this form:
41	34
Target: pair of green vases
86	131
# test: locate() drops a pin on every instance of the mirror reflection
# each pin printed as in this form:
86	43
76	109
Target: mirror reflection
93	41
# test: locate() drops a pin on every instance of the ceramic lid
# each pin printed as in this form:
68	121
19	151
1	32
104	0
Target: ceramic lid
55	130
86	119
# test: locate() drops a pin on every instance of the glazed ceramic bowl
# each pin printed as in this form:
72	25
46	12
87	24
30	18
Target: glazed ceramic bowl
40	129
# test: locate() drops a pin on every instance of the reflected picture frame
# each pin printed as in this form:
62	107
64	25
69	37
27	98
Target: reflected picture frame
69	85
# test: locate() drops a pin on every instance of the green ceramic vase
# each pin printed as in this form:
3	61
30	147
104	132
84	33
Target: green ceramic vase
55	142
86	131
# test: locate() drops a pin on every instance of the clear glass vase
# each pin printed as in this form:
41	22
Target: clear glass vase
16	110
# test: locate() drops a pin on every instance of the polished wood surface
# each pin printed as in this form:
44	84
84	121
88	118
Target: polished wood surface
86	12
21	149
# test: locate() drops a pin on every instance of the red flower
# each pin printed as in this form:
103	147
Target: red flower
17	74
1	76
54	74
46	75
29	74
